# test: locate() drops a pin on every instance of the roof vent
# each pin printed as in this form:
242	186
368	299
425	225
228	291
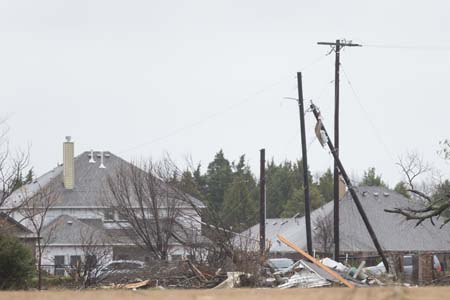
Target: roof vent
284	222
376	194
102	166
386	194
107	154
92	160
274	223
364	193
69	222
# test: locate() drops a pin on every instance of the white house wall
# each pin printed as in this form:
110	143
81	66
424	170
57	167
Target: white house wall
48	258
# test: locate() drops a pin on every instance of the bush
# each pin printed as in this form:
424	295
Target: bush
17	264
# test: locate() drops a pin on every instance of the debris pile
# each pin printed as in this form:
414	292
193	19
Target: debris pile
306	274
180	274
310	272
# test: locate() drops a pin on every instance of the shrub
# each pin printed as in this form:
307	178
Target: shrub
17	264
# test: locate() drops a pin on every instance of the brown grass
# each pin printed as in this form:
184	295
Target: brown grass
438	293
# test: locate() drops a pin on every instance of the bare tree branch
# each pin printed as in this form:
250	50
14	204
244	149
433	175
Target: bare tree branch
34	210
428	205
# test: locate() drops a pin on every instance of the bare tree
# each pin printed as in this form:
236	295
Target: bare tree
12	165
34	211
147	203
323	233
94	254
428	205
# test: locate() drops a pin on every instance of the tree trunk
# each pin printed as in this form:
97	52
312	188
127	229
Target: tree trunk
39	266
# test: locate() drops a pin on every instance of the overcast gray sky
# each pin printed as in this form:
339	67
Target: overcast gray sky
139	78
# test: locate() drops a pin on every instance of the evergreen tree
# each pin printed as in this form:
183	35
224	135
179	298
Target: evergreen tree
325	186
402	189
241	198
218	177
29	177
17	264
189	185
281	183
370	178
18	181
441	191
240	208
296	204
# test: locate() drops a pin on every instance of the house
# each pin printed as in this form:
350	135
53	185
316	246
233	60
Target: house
9	226
83	212
397	236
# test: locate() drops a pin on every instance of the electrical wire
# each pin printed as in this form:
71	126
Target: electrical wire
404	47
369	119
218	113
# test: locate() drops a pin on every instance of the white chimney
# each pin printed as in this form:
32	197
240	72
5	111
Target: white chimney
68	164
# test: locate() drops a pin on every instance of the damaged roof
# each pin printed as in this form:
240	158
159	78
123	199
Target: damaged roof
393	232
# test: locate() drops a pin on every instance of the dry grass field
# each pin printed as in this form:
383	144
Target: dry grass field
438	293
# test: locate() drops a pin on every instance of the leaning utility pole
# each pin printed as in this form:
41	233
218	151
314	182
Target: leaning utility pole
350	187
337	46
262	201
305	164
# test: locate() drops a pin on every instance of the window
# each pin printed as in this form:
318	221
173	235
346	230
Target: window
75	261
108	214
91	261
59	265
122	216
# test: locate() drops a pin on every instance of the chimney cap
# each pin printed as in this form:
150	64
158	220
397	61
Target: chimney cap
68	138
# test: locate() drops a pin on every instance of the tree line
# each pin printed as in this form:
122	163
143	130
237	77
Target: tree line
232	189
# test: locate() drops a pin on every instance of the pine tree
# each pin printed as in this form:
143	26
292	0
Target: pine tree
402	189
29	177
218	178
325	186
370	178
241	198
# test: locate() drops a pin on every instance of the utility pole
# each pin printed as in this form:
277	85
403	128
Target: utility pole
262	201
305	164
351	189
337	46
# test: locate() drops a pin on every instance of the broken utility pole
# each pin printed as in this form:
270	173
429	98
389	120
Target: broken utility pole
337	46
350	187
305	164
262	202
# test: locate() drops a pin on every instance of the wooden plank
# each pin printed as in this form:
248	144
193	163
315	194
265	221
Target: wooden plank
315	261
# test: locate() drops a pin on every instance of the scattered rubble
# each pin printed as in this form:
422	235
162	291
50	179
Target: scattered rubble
305	273
326	272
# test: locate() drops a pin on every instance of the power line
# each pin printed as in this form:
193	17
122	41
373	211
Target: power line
218	113
409	47
372	124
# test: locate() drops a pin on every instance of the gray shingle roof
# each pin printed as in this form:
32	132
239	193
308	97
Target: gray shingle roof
66	230
291	228
90	182
393	232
